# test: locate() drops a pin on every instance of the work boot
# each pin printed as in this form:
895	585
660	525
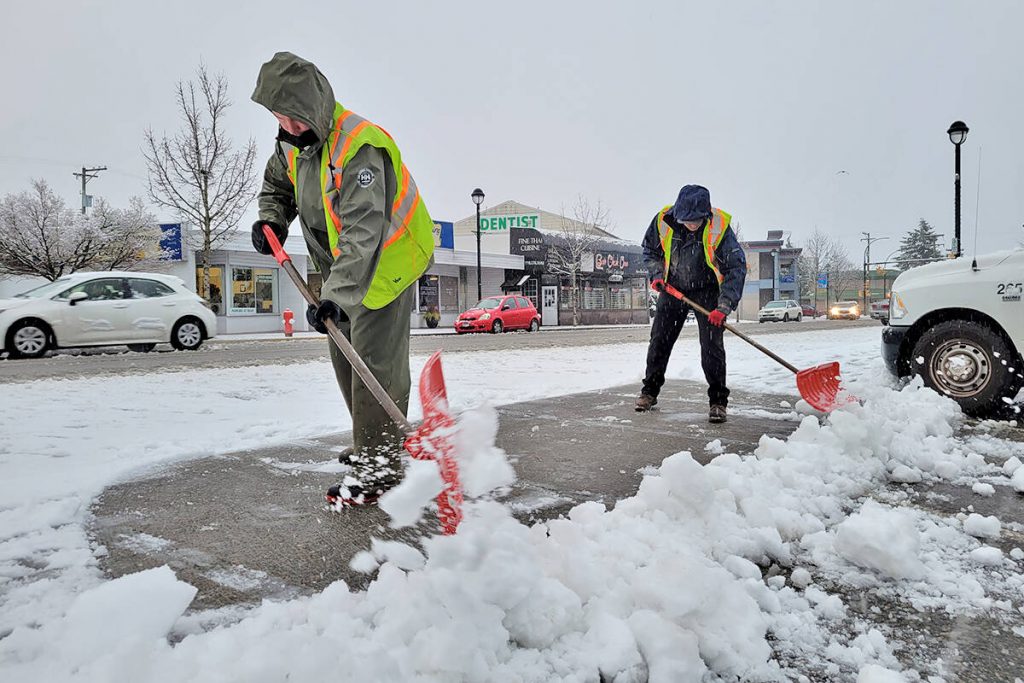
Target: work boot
352	493
717	414
645	402
345	456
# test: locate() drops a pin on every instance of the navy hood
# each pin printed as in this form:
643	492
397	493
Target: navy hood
692	204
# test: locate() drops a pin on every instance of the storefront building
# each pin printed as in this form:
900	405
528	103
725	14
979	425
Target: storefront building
611	280
249	292
771	274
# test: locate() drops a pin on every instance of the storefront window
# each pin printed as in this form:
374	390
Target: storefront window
449	294
639	289
593	295
618	296
530	292
216	287
429	292
253	290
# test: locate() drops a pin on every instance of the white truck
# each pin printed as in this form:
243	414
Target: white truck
959	324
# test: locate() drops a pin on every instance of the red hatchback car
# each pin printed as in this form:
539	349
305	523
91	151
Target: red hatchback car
499	313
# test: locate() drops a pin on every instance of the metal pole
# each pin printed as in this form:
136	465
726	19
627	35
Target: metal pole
479	288
956	182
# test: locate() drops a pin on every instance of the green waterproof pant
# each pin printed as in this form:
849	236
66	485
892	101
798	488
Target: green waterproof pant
381	338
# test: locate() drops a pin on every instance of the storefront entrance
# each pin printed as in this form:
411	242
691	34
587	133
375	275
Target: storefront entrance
549	306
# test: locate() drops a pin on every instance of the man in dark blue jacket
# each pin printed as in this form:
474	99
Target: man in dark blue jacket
691	246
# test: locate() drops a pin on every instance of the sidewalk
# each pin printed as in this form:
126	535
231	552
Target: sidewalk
415	332
251	525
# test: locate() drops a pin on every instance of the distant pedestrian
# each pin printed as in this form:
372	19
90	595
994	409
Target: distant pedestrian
691	246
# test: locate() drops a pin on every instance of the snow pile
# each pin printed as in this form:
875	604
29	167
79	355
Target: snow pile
881	538
982	527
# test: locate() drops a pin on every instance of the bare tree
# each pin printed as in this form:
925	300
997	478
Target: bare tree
41	237
824	255
577	237
197	172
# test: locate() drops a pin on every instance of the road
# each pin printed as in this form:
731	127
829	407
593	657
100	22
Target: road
227	353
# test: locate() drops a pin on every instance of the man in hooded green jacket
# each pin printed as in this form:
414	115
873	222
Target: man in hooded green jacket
364	225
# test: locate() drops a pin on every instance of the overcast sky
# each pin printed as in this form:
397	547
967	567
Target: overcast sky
796	115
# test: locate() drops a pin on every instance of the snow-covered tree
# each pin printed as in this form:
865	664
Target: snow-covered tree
41	236
577	237
918	246
198	173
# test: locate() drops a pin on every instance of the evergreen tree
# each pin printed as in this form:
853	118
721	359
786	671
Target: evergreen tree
918	245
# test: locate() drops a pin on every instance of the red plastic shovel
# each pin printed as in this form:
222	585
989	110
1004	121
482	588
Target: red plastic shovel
432	440
819	386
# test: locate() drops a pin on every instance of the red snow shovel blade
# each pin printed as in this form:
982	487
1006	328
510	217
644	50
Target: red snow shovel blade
820	387
433	441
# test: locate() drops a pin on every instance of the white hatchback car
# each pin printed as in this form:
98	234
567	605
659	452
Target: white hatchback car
105	309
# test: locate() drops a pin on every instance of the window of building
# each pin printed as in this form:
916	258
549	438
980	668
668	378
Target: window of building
594	295
639	289
618	296
216	287
148	289
530	292
449	294
253	290
430	293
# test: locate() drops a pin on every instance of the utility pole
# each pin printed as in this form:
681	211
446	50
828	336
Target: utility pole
867	259
86	175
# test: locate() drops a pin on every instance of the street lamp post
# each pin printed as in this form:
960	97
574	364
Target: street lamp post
478	199
957	134
775	270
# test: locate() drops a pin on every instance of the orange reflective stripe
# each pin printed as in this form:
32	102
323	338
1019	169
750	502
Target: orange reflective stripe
337	129
351	138
402	191
405	223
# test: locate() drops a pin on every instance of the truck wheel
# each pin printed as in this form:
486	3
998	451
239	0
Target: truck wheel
970	363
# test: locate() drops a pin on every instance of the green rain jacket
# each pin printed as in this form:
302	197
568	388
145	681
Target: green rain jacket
294	87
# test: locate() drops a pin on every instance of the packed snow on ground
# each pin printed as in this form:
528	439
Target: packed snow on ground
667	585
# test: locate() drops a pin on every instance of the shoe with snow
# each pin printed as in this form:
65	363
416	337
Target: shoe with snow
345	456
644	403
716	415
352	493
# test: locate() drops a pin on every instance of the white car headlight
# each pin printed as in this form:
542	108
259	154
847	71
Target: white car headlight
485	316
897	310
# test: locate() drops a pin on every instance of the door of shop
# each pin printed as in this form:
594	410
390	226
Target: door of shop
549	306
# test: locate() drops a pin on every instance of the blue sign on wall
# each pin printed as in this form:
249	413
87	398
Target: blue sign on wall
170	242
822	280
787	279
444	235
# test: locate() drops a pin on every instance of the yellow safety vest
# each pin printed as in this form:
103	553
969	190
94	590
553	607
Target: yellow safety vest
713	234
409	241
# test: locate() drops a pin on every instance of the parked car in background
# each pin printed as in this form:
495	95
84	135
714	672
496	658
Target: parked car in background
880	311
782	310
960	326
809	310
111	308
849	310
499	313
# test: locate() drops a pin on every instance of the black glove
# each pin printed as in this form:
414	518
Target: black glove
259	240
316	315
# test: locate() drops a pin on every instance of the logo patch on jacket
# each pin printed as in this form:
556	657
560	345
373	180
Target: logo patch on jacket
365	178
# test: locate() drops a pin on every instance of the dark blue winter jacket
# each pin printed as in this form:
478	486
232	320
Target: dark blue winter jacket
689	269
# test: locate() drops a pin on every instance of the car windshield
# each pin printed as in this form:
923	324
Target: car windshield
49	289
776	304
491	302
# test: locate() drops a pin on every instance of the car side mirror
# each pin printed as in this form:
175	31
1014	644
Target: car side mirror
76	297
506	307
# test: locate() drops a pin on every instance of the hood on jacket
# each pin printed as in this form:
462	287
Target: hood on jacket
692	204
290	85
